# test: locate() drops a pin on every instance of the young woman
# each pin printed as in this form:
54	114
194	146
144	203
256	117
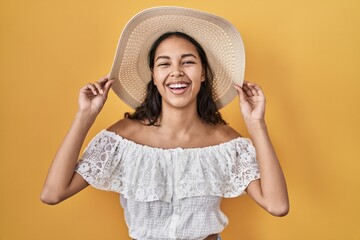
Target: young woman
174	158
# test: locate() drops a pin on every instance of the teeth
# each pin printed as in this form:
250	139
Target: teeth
178	85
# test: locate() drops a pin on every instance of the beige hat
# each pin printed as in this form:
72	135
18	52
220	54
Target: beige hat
219	38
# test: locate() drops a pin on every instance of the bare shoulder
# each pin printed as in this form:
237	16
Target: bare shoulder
226	133
126	127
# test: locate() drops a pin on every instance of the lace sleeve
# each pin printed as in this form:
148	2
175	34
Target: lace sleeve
99	164
244	167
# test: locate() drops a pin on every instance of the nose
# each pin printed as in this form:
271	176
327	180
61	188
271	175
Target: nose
177	72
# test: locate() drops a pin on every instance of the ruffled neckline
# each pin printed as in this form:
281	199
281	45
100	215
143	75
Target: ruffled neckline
144	173
205	148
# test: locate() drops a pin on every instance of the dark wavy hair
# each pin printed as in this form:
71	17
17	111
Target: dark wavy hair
151	107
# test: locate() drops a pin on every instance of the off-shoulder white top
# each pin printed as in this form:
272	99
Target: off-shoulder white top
169	193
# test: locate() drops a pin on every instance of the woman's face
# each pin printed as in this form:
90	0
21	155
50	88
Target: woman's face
177	72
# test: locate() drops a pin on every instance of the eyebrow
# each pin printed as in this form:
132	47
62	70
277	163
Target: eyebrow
182	56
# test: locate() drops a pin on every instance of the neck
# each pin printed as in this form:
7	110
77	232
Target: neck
179	121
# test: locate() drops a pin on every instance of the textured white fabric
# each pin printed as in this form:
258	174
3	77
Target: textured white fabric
169	193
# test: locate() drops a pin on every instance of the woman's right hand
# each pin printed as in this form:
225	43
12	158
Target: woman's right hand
62	181
92	96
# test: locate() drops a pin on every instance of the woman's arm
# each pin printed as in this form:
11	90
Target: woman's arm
62	181
270	191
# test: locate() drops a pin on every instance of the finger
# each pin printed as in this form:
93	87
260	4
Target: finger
251	84
238	88
91	87
253	89
247	90
256	89
99	87
240	92
104	79
259	90
107	86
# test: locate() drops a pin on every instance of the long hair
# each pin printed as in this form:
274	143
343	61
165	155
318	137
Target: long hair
150	109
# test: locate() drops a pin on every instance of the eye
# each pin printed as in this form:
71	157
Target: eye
188	62
163	64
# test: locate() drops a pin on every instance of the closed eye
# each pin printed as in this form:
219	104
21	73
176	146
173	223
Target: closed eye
163	64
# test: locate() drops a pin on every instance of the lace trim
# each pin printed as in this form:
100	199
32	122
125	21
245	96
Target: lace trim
113	163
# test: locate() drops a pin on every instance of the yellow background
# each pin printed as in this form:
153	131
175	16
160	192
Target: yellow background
305	54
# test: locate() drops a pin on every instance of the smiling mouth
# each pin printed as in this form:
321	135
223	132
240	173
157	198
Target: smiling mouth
178	88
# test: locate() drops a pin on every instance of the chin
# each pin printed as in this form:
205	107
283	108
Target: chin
179	104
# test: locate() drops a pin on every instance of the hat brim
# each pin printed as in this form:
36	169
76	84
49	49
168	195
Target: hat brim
219	38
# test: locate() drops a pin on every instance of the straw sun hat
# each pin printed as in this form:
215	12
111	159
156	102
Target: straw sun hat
219	38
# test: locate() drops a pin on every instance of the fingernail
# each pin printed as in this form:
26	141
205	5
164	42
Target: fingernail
101	91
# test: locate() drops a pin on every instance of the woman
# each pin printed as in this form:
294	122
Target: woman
174	158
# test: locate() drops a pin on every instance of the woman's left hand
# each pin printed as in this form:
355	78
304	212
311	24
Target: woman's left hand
252	102
270	192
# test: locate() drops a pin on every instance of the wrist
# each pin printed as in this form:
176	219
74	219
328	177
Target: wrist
256	126
85	117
